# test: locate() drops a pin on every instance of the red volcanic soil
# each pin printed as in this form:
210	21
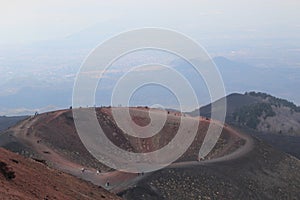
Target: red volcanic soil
55	133
229	141
23	178
52	138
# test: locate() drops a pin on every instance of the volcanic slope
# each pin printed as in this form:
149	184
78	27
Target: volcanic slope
239	167
274	120
55	133
52	138
23	178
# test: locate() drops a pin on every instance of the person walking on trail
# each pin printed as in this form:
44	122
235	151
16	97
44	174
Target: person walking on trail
107	184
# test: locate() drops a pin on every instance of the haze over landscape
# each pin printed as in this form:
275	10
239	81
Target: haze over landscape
238	139
44	44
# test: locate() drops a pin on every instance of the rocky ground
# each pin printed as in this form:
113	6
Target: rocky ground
263	173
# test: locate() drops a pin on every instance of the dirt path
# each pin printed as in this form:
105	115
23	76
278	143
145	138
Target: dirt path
247	147
116	179
243	150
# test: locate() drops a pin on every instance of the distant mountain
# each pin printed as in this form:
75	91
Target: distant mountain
274	120
260	112
235	101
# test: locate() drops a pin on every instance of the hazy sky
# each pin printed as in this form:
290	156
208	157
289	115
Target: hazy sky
33	20
261	33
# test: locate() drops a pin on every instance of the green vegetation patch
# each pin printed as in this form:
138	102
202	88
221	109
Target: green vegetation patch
277	102
249	115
